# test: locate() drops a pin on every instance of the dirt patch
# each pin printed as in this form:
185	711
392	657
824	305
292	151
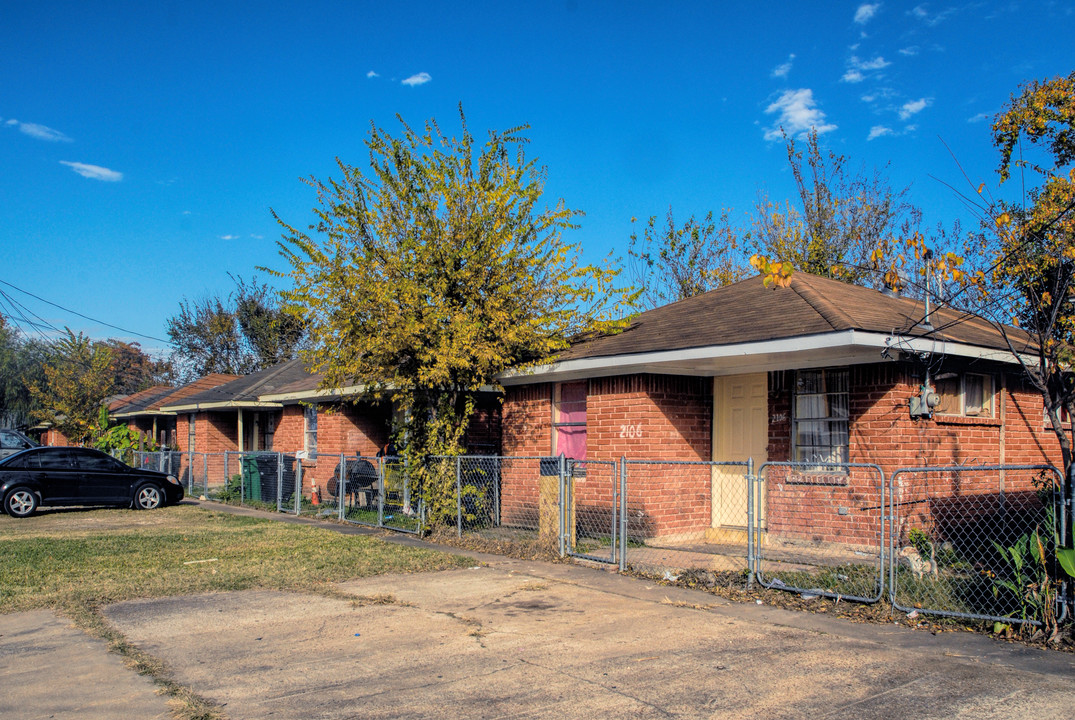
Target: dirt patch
733	586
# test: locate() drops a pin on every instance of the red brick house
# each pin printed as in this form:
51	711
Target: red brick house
284	409
820	372
143	411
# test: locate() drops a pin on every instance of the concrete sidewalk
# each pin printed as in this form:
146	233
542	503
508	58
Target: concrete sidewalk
524	640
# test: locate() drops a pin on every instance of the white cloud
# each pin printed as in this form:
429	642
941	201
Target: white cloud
40	132
879	131
909	51
979	117
876	64
865	12
914	106
922	13
783	69
372	74
229	237
420	79
257	237
858	68
881	93
94	172
797	114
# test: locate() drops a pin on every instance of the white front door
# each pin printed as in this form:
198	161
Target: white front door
740	431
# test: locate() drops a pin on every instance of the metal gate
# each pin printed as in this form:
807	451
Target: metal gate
589	509
819	530
975	541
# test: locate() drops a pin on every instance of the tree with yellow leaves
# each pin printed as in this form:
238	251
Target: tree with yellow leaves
1033	281
433	270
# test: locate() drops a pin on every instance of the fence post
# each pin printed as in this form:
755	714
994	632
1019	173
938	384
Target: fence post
280	481
1067	521
380	492
242	480
298	489
498	467
205	474
613	541
562	503
751	488
340	482
458	500
623	513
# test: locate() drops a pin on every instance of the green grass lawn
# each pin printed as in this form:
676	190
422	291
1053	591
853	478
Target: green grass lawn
76	561
94	557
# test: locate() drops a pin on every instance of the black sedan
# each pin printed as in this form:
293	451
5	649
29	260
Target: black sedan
80	476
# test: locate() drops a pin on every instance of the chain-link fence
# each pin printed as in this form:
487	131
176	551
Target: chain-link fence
820	530
504	500
976	542
375	491
685	517
589	507
973	542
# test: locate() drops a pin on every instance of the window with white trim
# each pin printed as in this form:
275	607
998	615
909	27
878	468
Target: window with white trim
309	414
820	417
964	394
190	432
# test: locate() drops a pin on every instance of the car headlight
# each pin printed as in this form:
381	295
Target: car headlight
173	479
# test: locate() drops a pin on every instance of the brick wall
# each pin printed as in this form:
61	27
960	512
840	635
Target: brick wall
483	436
655	416
669	418
841	507
662	417
527	431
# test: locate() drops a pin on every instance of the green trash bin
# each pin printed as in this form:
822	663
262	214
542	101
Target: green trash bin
251	479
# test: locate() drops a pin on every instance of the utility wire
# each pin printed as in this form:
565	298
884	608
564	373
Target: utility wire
86	317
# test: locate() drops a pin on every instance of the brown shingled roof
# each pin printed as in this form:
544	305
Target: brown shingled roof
150	401
747	311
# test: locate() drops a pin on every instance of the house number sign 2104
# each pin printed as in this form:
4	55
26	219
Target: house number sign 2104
631	431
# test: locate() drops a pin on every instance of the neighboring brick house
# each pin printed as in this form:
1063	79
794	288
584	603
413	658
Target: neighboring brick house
820	372
142	411
285	409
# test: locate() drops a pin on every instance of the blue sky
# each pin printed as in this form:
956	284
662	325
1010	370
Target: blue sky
142	145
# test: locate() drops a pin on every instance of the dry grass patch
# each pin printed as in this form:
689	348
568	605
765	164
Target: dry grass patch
76	561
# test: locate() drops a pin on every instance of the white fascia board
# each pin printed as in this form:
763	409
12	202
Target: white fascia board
845	347
222	405
315	394
333	393
139	413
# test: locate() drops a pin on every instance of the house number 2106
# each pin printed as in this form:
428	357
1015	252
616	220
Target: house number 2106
631	431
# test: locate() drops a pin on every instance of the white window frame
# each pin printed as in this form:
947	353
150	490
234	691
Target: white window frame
820	465
989	391
309	434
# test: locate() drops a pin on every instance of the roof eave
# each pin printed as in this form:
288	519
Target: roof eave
222	405
844	347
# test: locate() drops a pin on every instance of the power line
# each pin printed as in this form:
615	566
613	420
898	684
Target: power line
86	317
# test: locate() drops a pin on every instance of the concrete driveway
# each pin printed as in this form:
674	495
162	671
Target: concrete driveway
533	640
515	639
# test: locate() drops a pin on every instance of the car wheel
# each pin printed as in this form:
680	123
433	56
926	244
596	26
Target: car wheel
148	497
20	502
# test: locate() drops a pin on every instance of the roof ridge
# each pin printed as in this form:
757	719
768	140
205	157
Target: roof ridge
838	319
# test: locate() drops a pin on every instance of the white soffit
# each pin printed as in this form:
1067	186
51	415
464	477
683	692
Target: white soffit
846	347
